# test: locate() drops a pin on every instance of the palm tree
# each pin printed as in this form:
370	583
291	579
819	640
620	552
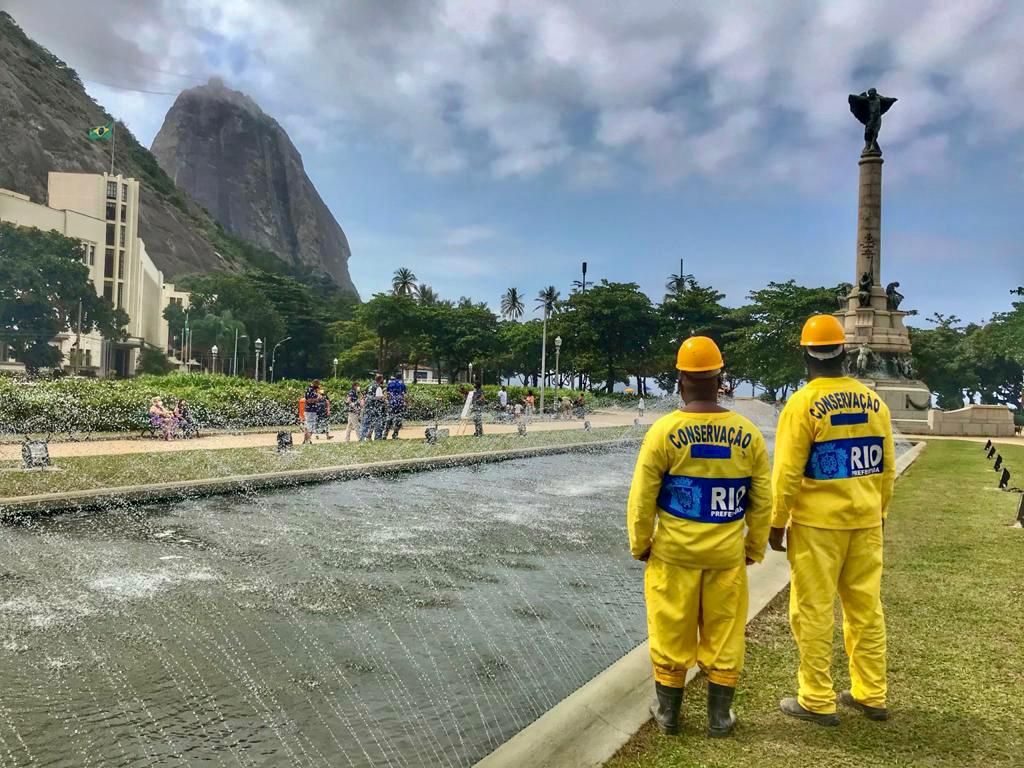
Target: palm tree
512	304
427	295
547	299
404	282
676	284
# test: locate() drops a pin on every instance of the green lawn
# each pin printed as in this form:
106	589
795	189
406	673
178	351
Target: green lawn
954	600
84	473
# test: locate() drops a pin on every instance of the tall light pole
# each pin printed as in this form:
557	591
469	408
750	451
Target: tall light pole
259	348
558	351
214	351
544	359
335	361
471	374
584	277
273	356
234	357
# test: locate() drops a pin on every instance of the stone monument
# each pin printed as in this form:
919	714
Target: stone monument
877	339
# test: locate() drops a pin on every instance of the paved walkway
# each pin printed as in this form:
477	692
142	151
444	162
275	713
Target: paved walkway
597	419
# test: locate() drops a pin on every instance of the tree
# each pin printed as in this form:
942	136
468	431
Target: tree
390	317
695	311
512	306
404	282
764	347
678	284
547	299
613	329
426	295
154	361
940	361
43	285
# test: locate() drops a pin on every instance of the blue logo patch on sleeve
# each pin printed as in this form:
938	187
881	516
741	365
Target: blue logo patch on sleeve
842	419
704	499
704	451
843	459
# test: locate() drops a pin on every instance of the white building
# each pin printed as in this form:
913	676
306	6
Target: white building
102	211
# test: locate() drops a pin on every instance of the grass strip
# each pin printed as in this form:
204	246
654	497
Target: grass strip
954	598
82	473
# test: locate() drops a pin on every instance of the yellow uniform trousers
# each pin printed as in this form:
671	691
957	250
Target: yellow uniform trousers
825	562
695	616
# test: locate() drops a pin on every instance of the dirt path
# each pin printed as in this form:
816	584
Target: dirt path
258	439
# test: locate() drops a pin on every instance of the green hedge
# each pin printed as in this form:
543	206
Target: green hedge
78	405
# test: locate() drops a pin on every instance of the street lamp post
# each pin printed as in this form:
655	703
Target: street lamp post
259	348
471	373
335	361
234	356
558	351
214	351
544	360
273	356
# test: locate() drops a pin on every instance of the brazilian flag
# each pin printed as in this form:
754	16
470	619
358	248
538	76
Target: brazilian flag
101	132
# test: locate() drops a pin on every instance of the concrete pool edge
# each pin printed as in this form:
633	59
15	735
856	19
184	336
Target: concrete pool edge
49	503
591	724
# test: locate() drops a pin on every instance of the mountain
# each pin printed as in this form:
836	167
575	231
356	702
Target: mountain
239	164
45	115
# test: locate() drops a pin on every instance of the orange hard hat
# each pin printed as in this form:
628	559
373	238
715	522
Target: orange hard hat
822	331
699	354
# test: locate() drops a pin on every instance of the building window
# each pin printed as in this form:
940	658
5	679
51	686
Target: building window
110	234
112	190
92	255
108	291
122	237
120	295
88	358
111	211
108	263
124	213
124	193
120	267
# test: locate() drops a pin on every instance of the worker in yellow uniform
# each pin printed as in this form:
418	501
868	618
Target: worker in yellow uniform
701	479
835	466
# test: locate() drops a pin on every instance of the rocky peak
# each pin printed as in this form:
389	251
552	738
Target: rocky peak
240	164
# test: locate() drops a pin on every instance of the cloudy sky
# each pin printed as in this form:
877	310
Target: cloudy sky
487	144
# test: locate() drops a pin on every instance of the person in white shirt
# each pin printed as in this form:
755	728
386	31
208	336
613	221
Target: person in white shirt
503	398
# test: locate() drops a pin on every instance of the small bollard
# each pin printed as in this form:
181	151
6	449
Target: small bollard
586	426
434	434
284	441
521	429
1004	479
991	452
1020	511
999	462
636	422
988	444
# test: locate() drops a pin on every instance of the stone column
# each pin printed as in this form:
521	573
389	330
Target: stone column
869	218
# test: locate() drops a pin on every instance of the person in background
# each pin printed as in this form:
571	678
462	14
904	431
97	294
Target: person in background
183	419
641	406
354	407
530	401
323	414
835	466
565	407
374	409
581	406
698	515
396	406
478	410
503	399
312	398
161	418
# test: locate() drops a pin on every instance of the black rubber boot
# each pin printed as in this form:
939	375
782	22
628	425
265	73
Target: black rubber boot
721	718
791	707
665	709
871	713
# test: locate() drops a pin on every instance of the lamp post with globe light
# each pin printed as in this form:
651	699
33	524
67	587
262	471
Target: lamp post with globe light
335	361
558	352
259	349
214	351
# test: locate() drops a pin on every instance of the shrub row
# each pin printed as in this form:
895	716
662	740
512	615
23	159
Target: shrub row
79	405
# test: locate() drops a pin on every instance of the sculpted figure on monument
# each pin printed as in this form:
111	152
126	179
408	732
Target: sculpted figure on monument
863	360
869	107
893	295
843	294
864	290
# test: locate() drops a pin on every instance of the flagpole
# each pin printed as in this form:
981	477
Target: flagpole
113	141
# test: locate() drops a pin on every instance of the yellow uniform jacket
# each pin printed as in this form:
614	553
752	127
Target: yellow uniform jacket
835	464
699	480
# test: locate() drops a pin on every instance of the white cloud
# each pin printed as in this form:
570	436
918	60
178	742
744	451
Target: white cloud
463	236
519	88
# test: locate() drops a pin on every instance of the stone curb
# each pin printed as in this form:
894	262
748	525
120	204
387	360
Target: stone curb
591	724
49	503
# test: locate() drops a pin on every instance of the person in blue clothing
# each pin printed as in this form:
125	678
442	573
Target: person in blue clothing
396	406
312	406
